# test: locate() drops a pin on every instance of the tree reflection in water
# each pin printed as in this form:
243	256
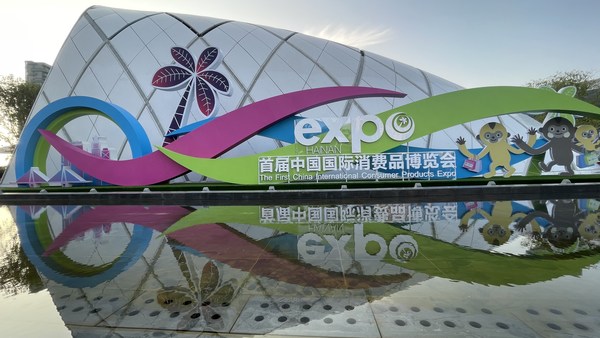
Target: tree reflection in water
17	274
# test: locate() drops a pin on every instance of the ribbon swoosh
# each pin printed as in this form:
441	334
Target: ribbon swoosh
210	140
158	218
430	115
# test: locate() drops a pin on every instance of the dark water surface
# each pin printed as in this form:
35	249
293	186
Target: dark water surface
476	269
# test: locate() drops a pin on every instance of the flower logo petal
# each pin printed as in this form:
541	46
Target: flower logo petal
217	80
170	78
208	58
183	57
205	97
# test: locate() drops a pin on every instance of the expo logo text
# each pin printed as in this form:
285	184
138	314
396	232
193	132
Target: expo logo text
398	127
312	246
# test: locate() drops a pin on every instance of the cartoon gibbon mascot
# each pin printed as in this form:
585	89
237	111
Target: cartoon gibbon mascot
587	137
496	230
589	226
562	229
494	138
560	134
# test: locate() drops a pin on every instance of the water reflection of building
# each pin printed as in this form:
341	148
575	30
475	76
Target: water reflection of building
190	280
227	269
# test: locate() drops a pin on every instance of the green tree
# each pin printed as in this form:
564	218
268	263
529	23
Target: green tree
16	100
582	80
17	273
587	89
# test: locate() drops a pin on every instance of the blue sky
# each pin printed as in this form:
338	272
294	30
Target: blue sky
470	42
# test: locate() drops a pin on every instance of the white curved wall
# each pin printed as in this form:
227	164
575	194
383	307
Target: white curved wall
112	54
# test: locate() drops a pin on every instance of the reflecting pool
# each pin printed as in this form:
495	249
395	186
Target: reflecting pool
480	268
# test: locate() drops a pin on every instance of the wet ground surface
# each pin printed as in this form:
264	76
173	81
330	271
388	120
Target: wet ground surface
444	269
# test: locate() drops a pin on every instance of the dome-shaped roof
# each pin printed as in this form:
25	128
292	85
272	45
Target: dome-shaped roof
112	55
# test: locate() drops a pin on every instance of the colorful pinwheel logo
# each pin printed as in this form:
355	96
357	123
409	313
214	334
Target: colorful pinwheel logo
199	77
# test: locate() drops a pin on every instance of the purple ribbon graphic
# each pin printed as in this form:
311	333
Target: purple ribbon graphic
211	139
158	218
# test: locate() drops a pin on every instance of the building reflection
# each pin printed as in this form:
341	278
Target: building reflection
260	269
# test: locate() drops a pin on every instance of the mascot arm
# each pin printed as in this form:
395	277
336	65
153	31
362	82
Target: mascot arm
530	218
524	147
529	149
520	150
461	142
464	221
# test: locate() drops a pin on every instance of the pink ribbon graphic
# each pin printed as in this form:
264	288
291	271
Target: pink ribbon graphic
211	139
